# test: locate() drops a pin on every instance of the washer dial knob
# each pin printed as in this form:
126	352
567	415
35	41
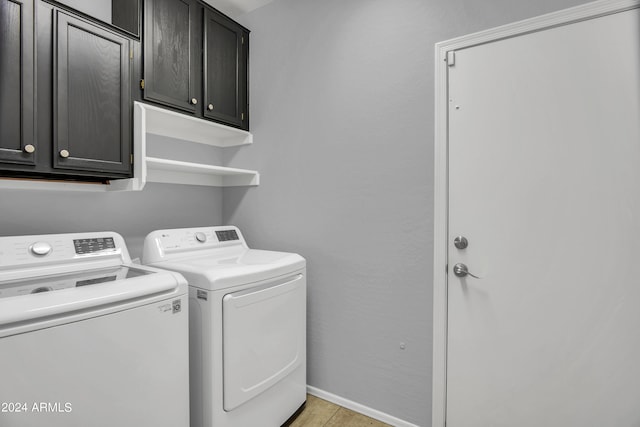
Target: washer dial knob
40	249
201	237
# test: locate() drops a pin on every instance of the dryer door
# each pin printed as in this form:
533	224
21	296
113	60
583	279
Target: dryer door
264	337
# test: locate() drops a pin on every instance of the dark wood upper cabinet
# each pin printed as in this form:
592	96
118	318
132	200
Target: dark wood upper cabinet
172	59
17	142
92	125
225	70
65	95
196	61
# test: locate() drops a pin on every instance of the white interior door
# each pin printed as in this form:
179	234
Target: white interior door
544	182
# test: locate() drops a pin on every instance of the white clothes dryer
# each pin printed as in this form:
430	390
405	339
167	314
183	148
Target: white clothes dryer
247	320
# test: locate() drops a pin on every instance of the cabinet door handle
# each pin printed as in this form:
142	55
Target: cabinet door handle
29	148
210	107
194	101
64	154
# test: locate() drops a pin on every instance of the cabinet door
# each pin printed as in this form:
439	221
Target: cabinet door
16	82
92	122
172	53
225	70
125	14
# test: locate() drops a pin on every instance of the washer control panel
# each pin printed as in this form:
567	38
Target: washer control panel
60	248
94	244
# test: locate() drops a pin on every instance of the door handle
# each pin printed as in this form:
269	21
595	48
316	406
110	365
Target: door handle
461	270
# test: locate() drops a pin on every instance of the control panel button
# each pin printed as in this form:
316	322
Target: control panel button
201	237
40	248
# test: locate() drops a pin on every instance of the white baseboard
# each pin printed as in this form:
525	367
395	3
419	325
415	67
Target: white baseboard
365	410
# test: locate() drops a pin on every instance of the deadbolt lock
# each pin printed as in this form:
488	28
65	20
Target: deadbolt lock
460	242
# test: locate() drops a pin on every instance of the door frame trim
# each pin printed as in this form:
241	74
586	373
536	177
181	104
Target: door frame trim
441	163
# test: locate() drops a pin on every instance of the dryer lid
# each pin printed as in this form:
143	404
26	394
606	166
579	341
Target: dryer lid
214	271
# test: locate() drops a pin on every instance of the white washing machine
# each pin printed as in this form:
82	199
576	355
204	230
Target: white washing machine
247	325
89	339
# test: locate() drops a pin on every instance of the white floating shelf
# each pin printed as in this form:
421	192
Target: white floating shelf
148	119
160	121
173	171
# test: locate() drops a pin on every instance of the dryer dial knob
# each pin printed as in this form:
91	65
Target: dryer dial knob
40	248
201	237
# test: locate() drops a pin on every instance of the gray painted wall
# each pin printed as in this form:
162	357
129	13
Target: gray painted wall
342	115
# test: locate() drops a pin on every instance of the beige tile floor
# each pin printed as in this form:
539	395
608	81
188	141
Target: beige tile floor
320	413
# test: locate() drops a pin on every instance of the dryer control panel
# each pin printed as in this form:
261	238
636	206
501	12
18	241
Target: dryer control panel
162	243
227	235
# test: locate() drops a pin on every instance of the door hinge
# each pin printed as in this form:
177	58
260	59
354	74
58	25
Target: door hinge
131	53
242	39
242	116
451	58
131	158
142	84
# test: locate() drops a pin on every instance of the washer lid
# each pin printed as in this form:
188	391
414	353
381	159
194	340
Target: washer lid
77	279
213	271
48	300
